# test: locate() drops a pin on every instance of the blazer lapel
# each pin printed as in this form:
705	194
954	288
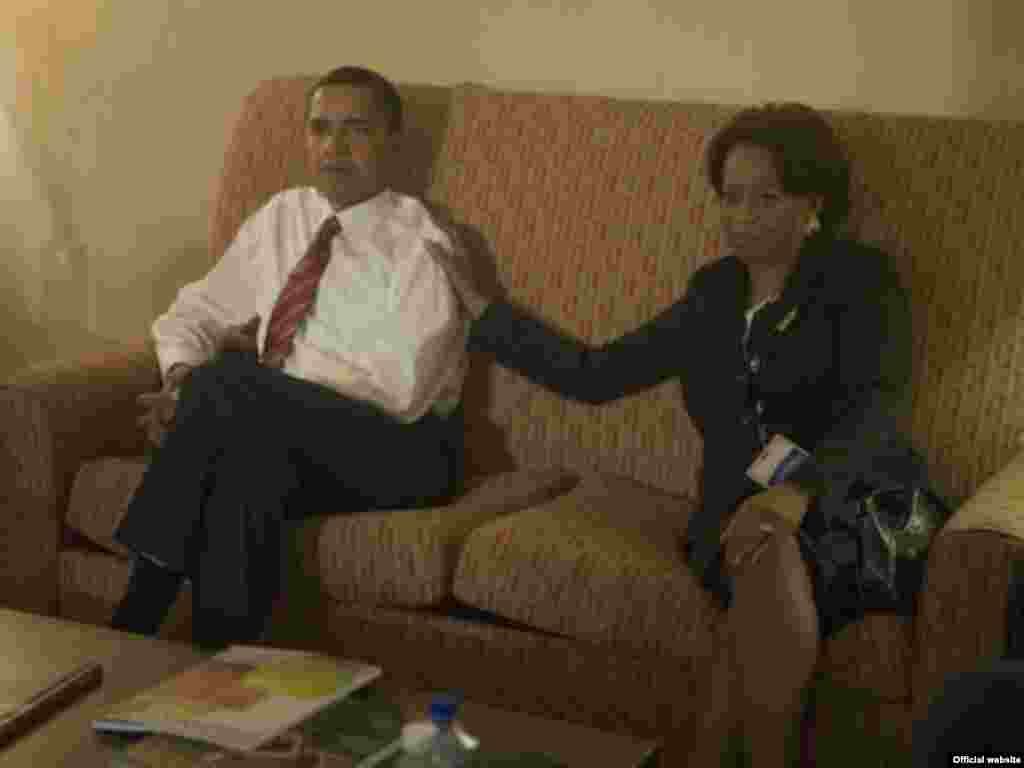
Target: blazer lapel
780	316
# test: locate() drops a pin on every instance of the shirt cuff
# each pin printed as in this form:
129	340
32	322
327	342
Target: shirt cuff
170	356
810	477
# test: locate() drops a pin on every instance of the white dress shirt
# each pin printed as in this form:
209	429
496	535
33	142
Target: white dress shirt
386	326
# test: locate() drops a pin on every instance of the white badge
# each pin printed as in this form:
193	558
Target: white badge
776	461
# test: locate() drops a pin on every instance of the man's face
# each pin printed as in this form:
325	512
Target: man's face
348	144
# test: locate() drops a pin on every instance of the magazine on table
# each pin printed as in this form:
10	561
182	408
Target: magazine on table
361	731
240	699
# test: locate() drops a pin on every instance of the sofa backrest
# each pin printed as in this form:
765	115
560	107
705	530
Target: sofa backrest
597	216
597	213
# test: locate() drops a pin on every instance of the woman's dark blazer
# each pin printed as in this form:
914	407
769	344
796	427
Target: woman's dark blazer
827	365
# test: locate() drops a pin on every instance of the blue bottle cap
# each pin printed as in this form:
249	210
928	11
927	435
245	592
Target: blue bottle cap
443	708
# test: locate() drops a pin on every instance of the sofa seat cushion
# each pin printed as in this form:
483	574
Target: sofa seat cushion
600	564
405	557
99	498
408	557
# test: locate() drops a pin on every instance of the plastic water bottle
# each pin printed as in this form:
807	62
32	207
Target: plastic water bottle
434	743
445	750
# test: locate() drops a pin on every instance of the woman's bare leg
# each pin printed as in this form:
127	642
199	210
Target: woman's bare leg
716	715
774	626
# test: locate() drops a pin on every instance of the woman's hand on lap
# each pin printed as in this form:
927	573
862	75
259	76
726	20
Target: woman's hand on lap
779	509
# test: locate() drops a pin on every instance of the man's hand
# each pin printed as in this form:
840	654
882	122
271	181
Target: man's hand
780	508
159	406
457	265
241	338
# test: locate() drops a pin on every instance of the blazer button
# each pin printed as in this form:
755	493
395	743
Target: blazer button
755	364
759	407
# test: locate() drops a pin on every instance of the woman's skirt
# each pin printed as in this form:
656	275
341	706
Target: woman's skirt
843	586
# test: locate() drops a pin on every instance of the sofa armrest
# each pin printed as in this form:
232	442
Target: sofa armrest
962	613
53	417
997	505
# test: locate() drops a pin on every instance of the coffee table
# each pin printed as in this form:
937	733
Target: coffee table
41	647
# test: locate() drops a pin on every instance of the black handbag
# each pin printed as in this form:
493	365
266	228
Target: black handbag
890	516
895	528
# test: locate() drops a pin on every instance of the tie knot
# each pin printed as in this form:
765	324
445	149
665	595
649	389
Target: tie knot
328	230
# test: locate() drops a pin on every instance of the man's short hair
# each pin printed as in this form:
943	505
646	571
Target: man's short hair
385	94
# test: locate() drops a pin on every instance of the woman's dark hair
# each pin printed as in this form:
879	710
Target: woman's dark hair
385	95
808	157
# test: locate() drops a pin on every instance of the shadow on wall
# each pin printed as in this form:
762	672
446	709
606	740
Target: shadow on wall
181	266
995	66
23	341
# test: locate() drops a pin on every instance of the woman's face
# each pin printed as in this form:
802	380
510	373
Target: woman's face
761	224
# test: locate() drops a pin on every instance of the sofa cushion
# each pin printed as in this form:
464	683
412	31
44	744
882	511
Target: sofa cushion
597	213
403	557
99	498
996	504
408	557
954	234
600	564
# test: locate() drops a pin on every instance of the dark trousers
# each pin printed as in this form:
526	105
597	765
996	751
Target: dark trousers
252	447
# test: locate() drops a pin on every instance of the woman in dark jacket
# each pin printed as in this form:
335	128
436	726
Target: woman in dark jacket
794	333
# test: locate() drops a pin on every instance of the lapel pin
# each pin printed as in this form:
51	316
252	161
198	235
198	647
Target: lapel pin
785	322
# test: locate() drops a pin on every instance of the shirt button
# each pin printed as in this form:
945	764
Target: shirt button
759	407
755	364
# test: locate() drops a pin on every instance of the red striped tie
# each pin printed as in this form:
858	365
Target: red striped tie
298	295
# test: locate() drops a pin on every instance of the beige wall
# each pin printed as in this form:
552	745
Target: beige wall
122	106
993	82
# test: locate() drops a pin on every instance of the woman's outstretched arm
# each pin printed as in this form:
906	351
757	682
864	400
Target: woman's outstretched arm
523	342
569	366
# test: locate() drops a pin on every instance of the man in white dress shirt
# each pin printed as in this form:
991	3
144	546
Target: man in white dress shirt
354	408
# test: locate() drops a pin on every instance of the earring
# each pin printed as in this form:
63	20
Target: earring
813	224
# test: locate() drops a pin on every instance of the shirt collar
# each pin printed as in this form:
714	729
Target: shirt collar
363	216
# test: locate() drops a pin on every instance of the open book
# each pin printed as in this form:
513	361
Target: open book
240	699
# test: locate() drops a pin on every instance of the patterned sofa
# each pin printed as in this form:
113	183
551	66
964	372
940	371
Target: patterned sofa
553	584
